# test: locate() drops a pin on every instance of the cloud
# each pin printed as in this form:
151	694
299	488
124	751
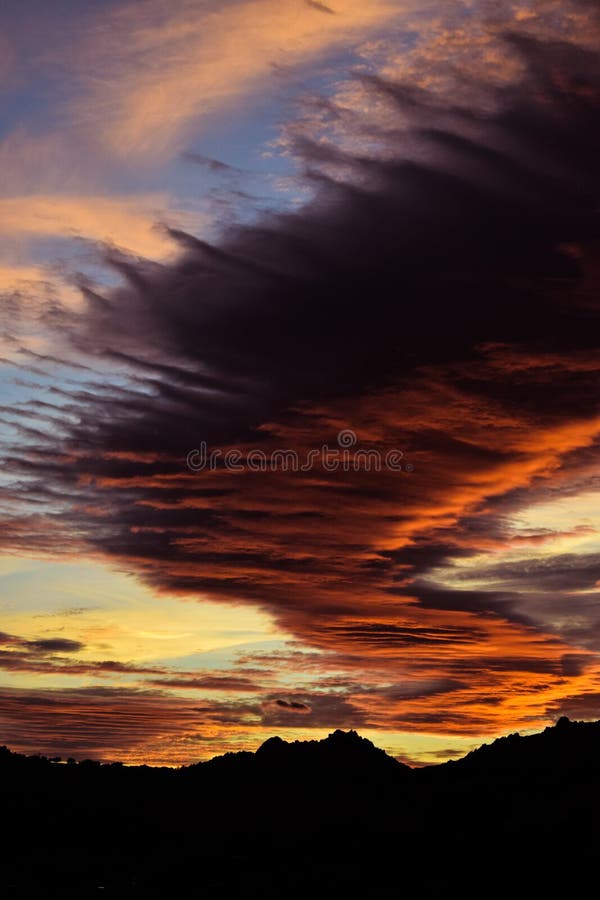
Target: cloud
130	223
320	709
41	645
54	645
294	706
321	7
432	304
15	278
105	724
585	705
146	75
456	54
228	682
46	656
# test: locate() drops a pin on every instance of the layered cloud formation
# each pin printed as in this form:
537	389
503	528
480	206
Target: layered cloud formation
436	297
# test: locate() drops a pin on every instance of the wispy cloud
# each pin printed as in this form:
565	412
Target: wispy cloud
148	73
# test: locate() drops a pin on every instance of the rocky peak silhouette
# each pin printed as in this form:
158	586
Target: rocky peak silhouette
565	745
340	749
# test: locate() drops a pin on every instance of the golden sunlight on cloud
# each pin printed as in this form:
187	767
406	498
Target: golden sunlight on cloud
129	222
34	285
17	278
150	70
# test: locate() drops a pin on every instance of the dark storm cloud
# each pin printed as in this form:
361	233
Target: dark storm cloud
410	242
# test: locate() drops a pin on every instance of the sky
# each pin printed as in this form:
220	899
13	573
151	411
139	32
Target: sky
298	374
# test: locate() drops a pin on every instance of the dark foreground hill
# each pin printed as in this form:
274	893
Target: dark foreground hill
333	818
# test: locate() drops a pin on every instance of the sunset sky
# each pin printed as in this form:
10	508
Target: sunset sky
274	225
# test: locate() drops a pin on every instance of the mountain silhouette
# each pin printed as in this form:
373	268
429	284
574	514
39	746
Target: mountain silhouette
567	745
340	752
336	817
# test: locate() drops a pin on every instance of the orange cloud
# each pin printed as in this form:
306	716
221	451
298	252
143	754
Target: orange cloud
131	223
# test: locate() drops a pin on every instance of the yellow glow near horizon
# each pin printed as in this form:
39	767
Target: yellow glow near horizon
116	616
